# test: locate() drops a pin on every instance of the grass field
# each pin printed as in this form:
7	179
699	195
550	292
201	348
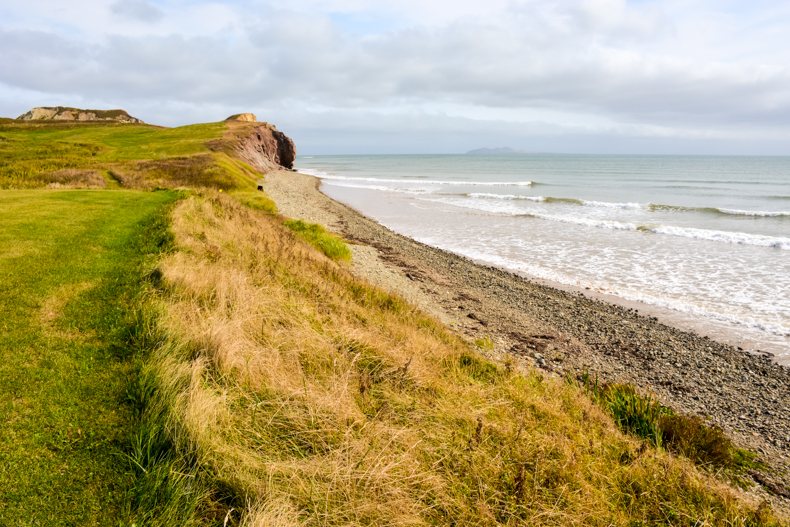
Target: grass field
99	155
71	264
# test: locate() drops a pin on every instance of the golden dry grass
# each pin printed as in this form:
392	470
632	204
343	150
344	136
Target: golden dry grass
75	178
311	398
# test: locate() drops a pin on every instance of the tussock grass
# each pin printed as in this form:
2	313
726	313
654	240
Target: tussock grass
76	178
686	435
326	242
256	200
298	395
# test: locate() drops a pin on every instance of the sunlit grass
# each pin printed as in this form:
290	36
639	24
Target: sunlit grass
32	155
71	264
309	397
326	242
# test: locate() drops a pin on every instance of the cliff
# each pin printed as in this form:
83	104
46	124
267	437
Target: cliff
261	144
63	113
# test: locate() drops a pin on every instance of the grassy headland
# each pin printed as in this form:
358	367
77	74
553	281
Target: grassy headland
251	379
106	155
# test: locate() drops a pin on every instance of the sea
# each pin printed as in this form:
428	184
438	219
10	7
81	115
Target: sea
702	242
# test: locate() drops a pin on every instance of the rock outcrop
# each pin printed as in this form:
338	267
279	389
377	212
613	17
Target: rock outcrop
63	113
265	148
245	117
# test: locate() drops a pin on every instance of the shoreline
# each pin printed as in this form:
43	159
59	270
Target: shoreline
566	332
666	316
386	207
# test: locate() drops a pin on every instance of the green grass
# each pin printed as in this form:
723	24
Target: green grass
70	277
32	155
688	436
326	242
256	200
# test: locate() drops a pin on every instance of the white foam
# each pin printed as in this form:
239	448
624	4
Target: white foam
608	205
740	238
542	199
507	197
333	177
686	306
312	172
503	262
756	213
382	188
630	205
588	222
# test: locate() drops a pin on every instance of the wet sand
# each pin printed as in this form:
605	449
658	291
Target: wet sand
565	332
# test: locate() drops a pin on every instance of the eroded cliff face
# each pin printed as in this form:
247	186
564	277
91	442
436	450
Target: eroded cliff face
63	113
264	147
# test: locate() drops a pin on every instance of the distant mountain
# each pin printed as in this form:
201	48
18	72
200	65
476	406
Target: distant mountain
502	150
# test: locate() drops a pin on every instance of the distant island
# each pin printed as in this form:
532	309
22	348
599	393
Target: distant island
502	150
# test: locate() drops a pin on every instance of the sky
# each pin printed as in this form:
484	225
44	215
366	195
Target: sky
421	76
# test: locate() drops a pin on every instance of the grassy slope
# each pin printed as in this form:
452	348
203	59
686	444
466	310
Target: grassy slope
106	154
308	397
70	267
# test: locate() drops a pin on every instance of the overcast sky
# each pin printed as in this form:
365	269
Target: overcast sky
420	76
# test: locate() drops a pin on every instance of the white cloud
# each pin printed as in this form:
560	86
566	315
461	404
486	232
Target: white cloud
692	69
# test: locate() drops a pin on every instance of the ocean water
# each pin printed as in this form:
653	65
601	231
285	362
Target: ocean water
702	241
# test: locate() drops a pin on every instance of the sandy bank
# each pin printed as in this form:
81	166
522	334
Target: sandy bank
563	332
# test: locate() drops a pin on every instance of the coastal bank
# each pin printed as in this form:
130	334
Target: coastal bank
566	333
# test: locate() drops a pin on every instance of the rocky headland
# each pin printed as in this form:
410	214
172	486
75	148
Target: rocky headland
260	144
64	113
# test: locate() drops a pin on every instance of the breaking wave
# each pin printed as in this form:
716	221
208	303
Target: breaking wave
651	207
740	238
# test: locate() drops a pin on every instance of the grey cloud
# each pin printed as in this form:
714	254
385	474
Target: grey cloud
464	64
137	9
558	58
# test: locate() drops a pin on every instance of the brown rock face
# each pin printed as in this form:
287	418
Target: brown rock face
63	113
266	148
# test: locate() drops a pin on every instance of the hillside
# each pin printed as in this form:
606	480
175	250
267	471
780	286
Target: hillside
69	154
63	113
211	362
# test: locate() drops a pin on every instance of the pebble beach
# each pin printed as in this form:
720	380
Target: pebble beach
567	333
